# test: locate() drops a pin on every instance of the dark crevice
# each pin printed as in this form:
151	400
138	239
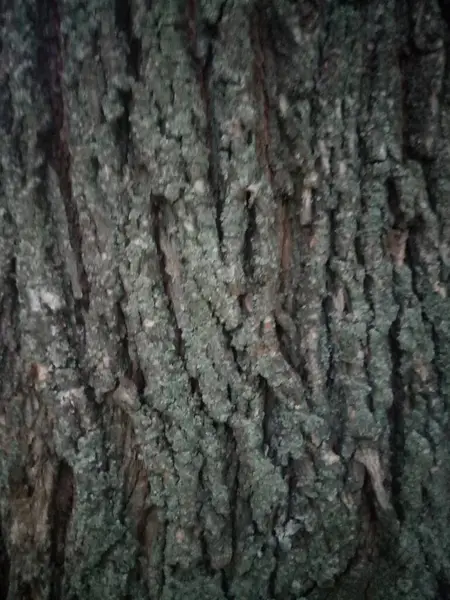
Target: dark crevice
396	418
160	119
60	512
394	203
204	500
6	106
445	10
333	232
225	586
267	423
432	194
196	391
285	344
49	71
228	337
90	394
9	324
123	346
200	38
122	128
122	14
194	385
138	378
18	149
5	565
247	251
290	476
156	209
443	581
262	48
234	352
24	590
359	252
130	368
95	164
232	475
135	56
124	23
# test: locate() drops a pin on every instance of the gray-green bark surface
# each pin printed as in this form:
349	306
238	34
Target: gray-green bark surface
224	312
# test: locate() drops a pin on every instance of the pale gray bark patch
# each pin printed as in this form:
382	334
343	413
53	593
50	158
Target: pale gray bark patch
224	313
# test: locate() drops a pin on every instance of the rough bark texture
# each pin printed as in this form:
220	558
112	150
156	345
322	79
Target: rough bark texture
225	330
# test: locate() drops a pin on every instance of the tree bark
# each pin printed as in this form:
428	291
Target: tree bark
224	313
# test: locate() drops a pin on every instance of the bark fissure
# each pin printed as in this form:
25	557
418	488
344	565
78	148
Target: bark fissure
9	320
167	266
50	66
201	35
60	513
5	566
396	414
124	23
247	250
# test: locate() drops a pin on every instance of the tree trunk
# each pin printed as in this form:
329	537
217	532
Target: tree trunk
225	330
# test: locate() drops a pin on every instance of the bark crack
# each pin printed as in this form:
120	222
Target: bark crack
201	38
50	67
60	512
396	417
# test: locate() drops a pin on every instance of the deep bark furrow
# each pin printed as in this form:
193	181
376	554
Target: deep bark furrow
59	516
50	67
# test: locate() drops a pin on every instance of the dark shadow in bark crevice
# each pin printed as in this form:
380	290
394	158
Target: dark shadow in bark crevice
60	512
247	253
5	565
396	420
124	23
